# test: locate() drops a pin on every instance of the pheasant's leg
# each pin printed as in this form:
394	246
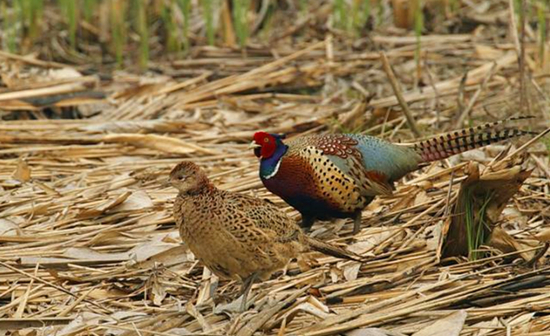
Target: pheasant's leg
247	284
307	223
357	222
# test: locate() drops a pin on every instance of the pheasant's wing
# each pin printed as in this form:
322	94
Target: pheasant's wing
254	248
383	156
265	216
344	153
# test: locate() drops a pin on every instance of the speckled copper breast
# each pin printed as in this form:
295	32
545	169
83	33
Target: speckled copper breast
314	185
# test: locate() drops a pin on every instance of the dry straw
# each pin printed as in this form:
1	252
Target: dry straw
88	245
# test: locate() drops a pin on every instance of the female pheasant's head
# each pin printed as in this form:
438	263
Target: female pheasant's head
269	148
188	178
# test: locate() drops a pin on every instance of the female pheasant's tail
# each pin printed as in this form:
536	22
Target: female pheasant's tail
331	250
443	146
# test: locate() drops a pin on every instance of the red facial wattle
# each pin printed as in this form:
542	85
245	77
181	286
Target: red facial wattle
267	143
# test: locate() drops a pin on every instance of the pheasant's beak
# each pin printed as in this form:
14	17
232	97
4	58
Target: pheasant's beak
253	145
166	183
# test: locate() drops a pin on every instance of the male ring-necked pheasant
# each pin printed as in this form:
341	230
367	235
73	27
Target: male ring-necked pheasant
235	235
338	175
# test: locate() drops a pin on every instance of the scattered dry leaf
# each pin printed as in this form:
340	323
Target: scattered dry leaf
22	172
485	196
9	228
448	326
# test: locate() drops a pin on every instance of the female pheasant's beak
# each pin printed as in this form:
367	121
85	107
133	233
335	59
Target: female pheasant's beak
166	183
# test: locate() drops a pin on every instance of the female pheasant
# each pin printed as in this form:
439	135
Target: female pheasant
237	236
338	175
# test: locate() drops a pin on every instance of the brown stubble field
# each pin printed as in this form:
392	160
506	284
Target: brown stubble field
88	245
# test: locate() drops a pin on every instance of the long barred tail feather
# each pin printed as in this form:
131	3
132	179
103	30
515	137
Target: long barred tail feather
456	142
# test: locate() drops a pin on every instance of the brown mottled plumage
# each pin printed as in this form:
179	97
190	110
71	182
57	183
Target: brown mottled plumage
237	236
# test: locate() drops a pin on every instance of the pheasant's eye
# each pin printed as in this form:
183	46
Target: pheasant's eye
181	177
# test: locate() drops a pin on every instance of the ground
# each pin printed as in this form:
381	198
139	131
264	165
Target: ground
88	245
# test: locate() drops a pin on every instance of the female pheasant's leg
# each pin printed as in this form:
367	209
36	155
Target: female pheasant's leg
247	284
307	222
356	222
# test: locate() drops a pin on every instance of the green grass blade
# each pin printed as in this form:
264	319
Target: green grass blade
207	12
339	14
185	7
36	8
69	9
541	16
240	10
143	30
8	18
118	37
89	7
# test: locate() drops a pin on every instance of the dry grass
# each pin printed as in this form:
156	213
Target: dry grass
88	245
